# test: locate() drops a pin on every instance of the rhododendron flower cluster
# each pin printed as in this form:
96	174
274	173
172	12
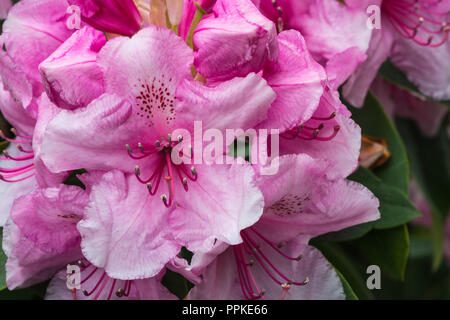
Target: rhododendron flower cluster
126	118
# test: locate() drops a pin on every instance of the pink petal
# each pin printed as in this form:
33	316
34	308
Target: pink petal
234	40
300	199
47	112
115	16
342	151
33	30
296	79
14	80
41	236
212	210
125	230
15	114
71	75
424	66
138	68
330	27
67	145
5	5
238	103
356	88
342	65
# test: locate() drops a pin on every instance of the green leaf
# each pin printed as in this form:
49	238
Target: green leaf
388	249
430	160
3	145
345	268
392	74
176	284
437	233
374	121
2	264
36	292
349	293
73	180
395	208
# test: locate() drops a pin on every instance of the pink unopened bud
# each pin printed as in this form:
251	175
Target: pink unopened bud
114	16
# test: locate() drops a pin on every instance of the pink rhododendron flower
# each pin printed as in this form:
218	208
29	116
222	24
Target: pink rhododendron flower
299	200
131	106
41	238
143	75
329	27
5	5
306	274
307	109
115	16
415	37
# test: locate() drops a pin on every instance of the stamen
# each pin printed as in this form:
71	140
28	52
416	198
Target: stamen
164	152
274	247
86	293
137	171
18	180
331	116
246	278
4	137
284	290
169	180
415	20
14	170
120	292
112	289
23	136
247	275
9	157
21	149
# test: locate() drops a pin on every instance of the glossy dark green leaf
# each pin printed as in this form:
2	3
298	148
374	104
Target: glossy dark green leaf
374	121
349	293
36	292
392	74
2	264
387	249
430	160
395	208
